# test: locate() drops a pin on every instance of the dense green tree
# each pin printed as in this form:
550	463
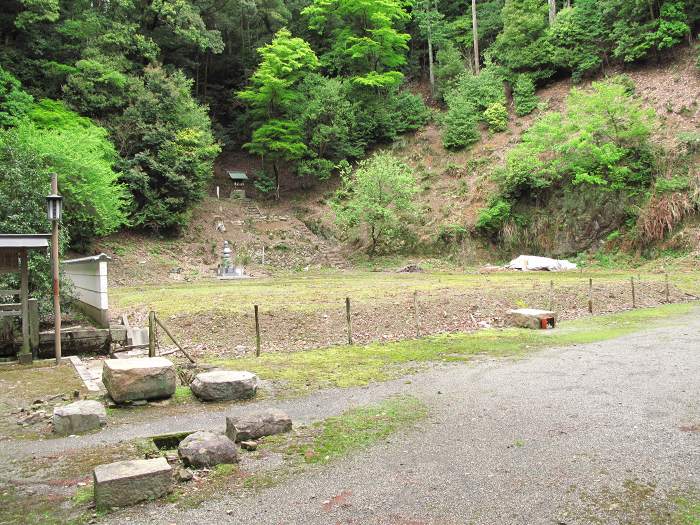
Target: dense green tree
376	201
523	46
165	140
273	92
362	39
15	103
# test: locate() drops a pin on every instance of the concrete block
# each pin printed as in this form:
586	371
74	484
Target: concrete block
139	378
79	417
126	483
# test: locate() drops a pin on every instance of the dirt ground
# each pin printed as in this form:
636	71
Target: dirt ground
215	319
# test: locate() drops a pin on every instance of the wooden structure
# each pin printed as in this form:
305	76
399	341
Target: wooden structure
239	182
14	255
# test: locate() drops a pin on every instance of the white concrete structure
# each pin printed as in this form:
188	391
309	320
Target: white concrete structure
89	278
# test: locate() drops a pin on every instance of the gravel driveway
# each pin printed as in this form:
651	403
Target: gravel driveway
554	438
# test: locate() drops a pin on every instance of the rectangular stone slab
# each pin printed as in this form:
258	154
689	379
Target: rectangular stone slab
139	378
531	318
126	483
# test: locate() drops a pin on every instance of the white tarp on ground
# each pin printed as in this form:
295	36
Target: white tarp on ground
532	262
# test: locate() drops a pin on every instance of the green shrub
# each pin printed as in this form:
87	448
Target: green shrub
15	103
409	111
492	218
480	90
496	116
673	185
460	126
524	96
264	182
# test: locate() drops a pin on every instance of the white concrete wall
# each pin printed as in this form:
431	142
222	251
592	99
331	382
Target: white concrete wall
89	278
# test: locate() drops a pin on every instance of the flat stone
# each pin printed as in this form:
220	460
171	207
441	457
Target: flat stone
224	385
531	318
79	417
257	425
207	449
126	483
139	378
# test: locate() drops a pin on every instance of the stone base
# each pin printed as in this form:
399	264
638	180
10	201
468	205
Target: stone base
25	359
531	318
79	417
207	449
224	385
126	483
139	378
257	425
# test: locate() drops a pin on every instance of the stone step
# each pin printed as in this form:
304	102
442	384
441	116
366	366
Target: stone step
126	483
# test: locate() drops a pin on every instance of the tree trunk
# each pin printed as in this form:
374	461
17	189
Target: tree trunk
431	73
277	180
552	11
475	30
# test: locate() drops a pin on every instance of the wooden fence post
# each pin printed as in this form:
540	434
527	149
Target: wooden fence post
415	312
347	316
551	295
257	332
34	327
634	299
590	295
668	292
151	334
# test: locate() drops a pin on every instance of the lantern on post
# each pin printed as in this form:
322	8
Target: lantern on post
54	205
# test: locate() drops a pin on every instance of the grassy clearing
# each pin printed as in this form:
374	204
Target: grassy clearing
345	366
319	291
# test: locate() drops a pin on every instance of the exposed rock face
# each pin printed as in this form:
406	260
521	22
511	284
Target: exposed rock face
79	417
257	425
129	482
224	385
206	449
139	378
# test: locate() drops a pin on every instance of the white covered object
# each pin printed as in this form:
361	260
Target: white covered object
532	262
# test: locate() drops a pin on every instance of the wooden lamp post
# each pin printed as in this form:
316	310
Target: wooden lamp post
54	205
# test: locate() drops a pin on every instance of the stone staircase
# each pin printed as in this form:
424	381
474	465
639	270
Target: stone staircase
251	210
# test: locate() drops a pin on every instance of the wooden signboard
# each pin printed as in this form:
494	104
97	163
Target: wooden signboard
9	261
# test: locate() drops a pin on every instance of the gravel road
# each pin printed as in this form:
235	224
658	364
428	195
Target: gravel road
507	442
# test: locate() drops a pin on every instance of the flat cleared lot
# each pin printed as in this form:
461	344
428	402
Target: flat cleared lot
307	310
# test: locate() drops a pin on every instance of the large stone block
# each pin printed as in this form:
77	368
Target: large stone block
257	425
224	385
531	318
139	378
129	482
79	417
207	449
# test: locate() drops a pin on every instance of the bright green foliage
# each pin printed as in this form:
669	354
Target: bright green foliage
168	150
81	154
363	39
377	201
492	218
272	92
496	116
15	103
36	11
479	90
601	141
272	96
460	125
98	86
524	97
523	46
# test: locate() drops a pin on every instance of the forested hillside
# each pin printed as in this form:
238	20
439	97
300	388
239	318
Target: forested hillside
132	101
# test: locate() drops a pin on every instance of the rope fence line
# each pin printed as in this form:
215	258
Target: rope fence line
420	308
